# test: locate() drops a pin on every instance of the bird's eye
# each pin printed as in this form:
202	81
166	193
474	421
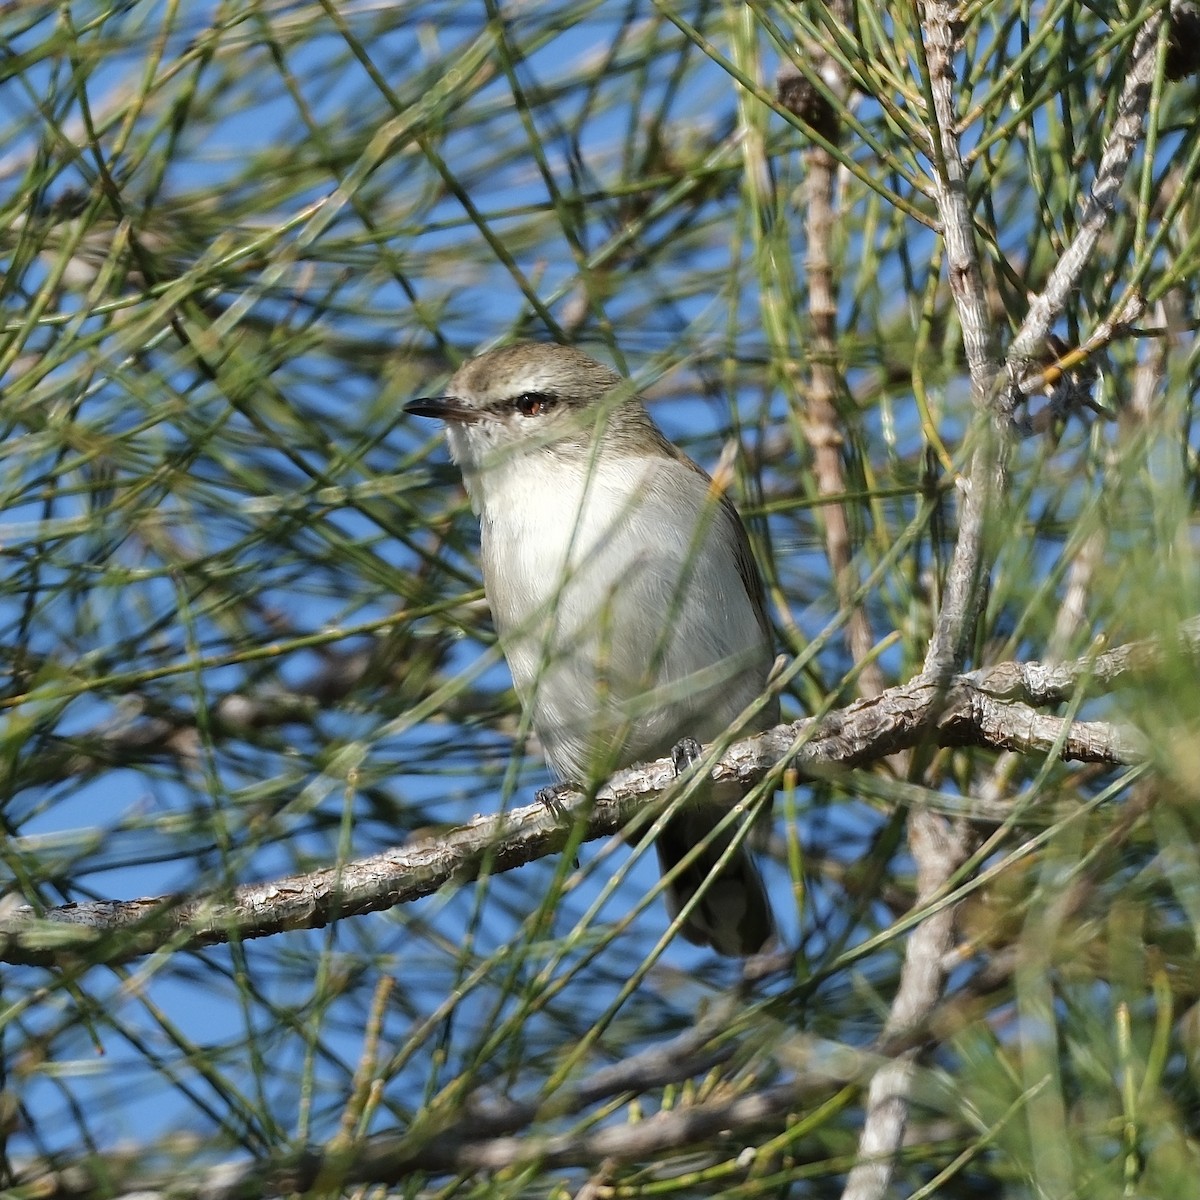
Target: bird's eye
533	404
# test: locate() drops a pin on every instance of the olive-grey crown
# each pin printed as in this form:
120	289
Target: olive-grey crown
540	370
533	394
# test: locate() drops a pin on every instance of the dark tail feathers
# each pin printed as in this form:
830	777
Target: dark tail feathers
733	915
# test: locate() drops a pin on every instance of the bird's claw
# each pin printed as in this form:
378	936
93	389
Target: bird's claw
684	754
552	798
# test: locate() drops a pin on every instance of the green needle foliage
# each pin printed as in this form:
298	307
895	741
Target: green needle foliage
242	636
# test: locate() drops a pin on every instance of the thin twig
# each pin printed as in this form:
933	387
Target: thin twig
822	420
1045	309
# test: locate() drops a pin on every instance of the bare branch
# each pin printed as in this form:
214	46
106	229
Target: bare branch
986	481
950	181
939	848
985	708
1127	132
715	1126
822	420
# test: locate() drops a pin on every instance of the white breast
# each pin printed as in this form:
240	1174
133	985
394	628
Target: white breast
620	607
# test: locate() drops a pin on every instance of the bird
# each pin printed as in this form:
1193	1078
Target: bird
625	596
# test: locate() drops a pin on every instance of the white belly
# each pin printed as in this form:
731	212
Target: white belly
620	608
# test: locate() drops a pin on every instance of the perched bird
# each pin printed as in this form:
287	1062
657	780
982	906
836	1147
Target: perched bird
624	592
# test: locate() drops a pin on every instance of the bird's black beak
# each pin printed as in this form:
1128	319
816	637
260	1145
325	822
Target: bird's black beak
445	408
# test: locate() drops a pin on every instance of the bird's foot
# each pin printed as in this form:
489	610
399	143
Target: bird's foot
552	798
684	754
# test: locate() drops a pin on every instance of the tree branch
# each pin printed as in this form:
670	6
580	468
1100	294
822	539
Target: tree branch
938	847
986	481
1045	309
822	419
990	708
717	1126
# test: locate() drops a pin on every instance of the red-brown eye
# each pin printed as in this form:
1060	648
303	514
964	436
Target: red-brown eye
533	404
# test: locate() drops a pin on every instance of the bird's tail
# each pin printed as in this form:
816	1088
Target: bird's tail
733	914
